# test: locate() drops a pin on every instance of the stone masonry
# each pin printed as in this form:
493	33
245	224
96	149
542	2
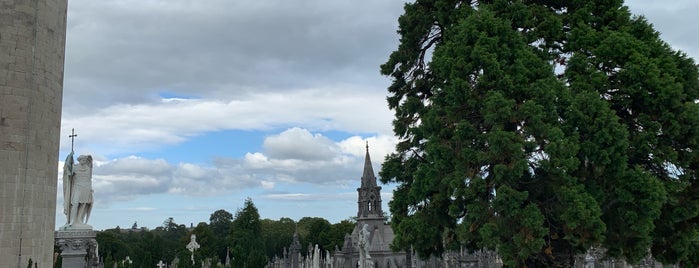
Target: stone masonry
32	51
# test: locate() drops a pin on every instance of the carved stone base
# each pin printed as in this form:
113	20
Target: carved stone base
78	248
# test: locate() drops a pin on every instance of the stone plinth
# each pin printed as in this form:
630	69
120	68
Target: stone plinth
78	248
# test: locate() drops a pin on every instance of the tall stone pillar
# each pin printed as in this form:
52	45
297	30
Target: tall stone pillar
32	51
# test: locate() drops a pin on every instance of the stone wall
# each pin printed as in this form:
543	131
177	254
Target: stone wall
32	51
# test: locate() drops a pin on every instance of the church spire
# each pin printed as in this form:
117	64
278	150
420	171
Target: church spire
368	178
369	200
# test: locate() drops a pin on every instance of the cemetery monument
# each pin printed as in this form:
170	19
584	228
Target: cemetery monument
193	246
76	238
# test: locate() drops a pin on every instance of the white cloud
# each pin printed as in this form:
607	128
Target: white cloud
129	51
289	157
141	209
267	185
133	165
141	127
297	143
128	177
257	160
310	197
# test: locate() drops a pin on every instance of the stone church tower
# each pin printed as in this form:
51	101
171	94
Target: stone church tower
32	51
370	213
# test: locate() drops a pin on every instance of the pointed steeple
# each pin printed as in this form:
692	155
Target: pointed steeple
368	178
369	200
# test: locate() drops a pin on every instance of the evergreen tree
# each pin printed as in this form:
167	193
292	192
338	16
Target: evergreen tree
541	129
246	237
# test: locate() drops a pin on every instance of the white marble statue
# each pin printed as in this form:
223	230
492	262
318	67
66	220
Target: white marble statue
77	191
365	260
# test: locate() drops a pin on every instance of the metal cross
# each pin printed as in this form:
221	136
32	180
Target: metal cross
72	139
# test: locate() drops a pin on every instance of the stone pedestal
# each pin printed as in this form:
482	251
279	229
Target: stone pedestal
78	248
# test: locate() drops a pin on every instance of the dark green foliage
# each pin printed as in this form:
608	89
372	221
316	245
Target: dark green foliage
277	235
144	248
206	239
314	230
220	223
171	237
540	129
246	233
113	245
335	236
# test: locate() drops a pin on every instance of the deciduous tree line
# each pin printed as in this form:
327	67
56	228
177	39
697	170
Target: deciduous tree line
249	240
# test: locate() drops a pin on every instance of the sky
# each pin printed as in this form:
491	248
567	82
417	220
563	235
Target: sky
188	107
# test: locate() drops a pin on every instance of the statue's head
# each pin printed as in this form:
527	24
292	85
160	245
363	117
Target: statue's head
85	160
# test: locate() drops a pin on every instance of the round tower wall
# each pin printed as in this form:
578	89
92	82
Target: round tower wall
32	51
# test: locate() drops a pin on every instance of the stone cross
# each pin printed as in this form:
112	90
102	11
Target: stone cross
160	264
192	246
127	260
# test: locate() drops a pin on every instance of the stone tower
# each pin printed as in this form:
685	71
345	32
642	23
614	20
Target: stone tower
370	213
32	51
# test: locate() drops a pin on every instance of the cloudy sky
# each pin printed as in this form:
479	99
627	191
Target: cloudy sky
192	106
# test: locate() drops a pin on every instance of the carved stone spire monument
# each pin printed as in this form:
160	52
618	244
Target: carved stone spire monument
76	238
32	51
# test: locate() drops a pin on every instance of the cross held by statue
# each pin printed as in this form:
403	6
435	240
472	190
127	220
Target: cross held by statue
72	139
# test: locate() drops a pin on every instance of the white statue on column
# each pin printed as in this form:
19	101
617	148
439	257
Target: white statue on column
365	260
77	191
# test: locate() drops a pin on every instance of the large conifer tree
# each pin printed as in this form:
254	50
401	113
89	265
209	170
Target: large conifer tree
542	128
247	245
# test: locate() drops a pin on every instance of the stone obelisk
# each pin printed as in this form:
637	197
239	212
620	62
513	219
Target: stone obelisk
32	51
